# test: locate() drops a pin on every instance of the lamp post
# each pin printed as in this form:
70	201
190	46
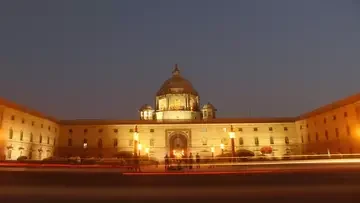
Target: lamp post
147	150
136	140
232	137
222	148
139	148
212	156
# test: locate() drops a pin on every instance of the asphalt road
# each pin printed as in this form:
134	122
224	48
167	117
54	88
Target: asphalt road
341	185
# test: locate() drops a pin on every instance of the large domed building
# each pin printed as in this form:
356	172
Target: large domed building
176	99
176	124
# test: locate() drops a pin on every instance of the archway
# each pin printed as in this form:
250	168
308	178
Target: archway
178	145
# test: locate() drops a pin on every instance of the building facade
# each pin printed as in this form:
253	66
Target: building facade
179	124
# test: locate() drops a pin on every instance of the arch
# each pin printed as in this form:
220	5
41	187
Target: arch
178	143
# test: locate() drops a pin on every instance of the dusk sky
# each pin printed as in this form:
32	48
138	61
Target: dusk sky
104	59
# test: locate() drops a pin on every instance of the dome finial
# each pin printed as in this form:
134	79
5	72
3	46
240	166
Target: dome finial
176	70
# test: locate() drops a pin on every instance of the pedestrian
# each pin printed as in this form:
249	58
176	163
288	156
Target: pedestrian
166	158
190	161
197	160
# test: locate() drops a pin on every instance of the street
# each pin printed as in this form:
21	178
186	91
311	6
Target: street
341	183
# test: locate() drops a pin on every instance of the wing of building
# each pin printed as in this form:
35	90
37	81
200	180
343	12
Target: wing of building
178	123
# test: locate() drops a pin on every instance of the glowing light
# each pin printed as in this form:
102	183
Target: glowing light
136	136
232	135
212	149
139	147
147	150
222	146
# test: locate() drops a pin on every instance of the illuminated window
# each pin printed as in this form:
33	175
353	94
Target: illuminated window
100	143
256	141
85	143
287	140
337	132
271	140
348	130
241	141
11	133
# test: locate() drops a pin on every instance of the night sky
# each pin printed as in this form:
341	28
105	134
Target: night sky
104	59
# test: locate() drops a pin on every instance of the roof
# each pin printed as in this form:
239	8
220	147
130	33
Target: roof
145	107
329	107
24	109
212	121
209	106
176	85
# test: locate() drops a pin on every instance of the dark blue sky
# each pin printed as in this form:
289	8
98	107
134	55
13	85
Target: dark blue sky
104	59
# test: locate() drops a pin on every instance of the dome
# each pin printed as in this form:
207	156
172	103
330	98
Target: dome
209	106
145	107
176	85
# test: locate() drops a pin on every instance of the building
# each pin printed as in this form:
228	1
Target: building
178	123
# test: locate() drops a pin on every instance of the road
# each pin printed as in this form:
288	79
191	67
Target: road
340	183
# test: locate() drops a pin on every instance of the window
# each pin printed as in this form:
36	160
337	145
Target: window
241	141
300	127
152	142
100	130
334	117
285	129
40	139
337	132
270	129
324	120
309	138
152	130
116	131
131	143
317	137
271	140
307	125
85	143
348	130
12	118
54	142
256	141
21	136
49	128
69	142
345	114
55	129
31	137
100	143
255	129
42	125
11	134
23	121
131	130
48	140
326	135
240	129
70	131
287	140
115	142
302	139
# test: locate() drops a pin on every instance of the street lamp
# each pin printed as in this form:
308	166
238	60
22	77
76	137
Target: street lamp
136	140
139	148
232	137
222	148
147	150
212	156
